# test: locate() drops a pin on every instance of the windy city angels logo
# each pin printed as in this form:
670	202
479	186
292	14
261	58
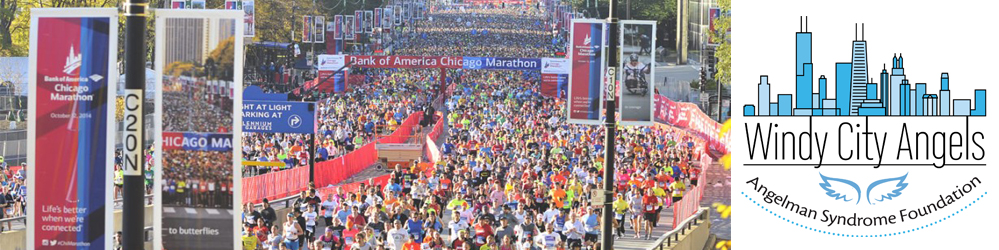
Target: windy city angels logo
854	157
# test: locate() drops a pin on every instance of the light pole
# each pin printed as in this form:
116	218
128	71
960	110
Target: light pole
610	130
133	217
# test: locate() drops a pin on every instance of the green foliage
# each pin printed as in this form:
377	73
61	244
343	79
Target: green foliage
15	18
661	11
179	68
723	38
222	56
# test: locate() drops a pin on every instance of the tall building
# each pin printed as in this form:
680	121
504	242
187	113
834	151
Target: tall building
803	61
979	103
763	100
184	35
859	79
897	76
920	91
885	85
944	94
843	95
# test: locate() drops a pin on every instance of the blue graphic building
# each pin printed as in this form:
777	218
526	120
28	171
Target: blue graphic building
856	94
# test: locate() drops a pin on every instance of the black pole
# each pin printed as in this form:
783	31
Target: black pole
133	218
610	128
718	81
314	142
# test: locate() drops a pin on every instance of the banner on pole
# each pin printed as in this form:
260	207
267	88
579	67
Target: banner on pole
358	23
637	72
387	17
368	19
378	18
338	27
71	133
586	81
203	141
407	12
348	28
420	10
555	76
249	21
319	29
307	29
397	18
187	4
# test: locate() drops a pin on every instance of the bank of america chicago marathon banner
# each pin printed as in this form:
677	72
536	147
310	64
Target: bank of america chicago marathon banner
555	76
587	53
447	62
71	135
197	141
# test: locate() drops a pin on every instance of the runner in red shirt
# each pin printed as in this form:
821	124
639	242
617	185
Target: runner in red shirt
649	203
482	231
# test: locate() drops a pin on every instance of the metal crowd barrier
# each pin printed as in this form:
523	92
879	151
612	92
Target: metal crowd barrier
671	237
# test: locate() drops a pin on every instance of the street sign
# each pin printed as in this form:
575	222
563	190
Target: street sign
597	197
611	89
278	117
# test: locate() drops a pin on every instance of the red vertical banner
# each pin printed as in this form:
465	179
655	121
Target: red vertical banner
586	79
71	136
338	27
307	29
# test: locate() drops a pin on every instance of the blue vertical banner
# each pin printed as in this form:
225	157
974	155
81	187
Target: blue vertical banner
587	59
71	136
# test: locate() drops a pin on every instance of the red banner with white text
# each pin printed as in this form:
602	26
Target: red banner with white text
275	185
689	116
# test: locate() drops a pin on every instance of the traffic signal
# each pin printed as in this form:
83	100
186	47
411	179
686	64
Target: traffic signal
704	75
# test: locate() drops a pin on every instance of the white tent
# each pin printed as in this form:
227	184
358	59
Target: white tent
150	84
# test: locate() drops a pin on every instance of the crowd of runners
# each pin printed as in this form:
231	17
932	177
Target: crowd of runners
512	173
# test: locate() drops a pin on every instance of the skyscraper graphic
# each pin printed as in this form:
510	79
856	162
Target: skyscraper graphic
944	94
803	61
897	75
859	66
764	95
855	93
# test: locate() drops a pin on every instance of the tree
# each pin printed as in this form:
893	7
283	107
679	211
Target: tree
661	11
222	57
15	18
275	20
178	68
724	39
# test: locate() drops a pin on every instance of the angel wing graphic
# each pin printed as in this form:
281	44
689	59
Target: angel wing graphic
840	188
886	192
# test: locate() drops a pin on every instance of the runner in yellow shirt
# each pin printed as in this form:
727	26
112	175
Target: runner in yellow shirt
660	195
620	207
677	188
